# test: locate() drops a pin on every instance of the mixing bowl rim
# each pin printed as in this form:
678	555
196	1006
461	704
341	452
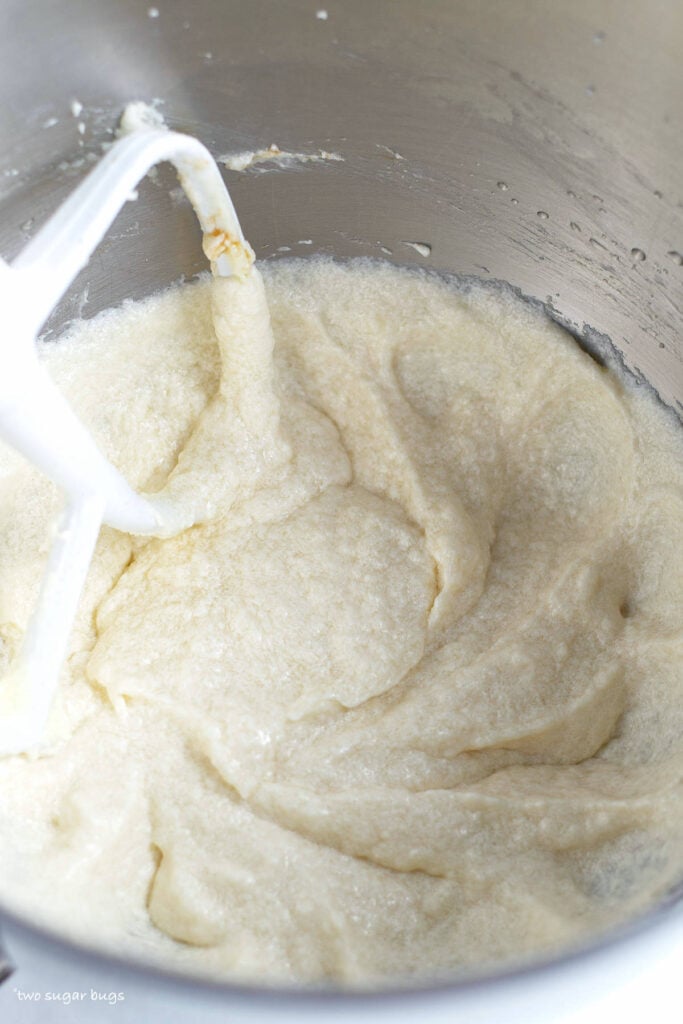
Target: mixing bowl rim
626	934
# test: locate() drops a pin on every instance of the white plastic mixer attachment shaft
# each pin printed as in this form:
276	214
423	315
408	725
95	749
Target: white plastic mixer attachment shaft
37	420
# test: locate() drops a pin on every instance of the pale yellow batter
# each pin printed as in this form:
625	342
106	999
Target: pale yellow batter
410	696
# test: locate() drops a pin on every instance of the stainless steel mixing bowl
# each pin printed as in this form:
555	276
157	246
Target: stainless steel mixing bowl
534	141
